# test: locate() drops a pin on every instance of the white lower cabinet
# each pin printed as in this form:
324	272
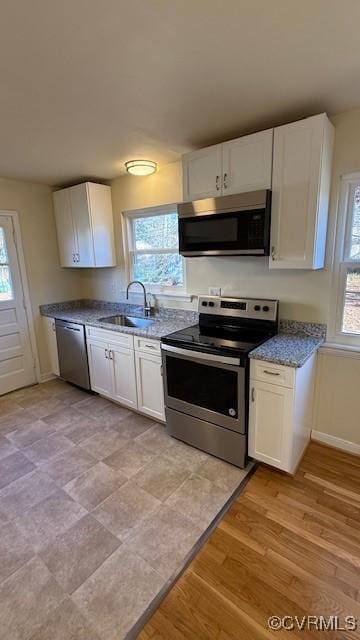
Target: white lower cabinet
280	413
50	338
131	377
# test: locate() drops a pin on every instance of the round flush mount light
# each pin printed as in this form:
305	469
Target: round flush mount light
140	167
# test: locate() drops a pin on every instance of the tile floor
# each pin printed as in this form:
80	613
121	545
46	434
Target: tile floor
99	508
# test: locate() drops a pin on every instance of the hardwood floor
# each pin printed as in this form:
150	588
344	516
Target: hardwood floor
288	546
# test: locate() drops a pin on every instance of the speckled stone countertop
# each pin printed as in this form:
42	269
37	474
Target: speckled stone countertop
90	311
294	344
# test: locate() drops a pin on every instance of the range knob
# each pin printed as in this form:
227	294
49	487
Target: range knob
265	308
204	303
211	304
257	307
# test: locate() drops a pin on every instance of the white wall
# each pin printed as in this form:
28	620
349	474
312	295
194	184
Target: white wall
47	281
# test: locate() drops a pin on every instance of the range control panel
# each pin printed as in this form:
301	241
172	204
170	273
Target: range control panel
252	308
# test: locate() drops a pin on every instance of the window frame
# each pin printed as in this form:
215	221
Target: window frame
129	250
342	262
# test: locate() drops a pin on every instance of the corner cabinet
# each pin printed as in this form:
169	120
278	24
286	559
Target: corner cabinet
84	223
51	343
240	165
300	193
126	369
280	412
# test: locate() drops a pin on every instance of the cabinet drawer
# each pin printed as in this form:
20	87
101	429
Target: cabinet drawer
274	373
122	339
148	346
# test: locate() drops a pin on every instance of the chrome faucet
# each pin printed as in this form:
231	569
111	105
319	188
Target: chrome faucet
147	308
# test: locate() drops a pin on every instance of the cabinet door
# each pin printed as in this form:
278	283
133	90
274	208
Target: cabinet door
270	424
300	193
65	228
150	385
82	225
247	163
101	215
50	338
99	366
123	375
202	173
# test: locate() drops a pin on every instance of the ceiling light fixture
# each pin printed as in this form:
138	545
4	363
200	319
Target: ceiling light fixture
140	167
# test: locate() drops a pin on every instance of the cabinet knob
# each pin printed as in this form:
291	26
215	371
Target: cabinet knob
217	183
225	180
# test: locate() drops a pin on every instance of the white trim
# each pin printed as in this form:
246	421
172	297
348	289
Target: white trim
340	350
25	286
46	377
337	443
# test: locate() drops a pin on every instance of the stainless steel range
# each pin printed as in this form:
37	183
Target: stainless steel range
206	372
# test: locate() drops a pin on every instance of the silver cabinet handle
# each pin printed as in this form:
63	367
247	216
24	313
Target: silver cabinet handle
225	180
271	373
107	354
273	253
217	183
78	257
73	257
111	355
53	326
252	394
150	346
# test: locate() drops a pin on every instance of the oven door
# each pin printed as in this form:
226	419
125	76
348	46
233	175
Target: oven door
205	386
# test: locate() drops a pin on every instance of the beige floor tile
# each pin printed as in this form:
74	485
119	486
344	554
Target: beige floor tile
6	447
161	477
24	493
155	439
164	540
189	457
75	555
44	449
130	459
15	420
114	597
46	407
81	428
13	467
112	414
93	486
30	433
223	475
63	418
50	518
65	623
133	425
198	499
27	598
91	405
125	509
70	395
8	406
68	465
15	550
32	398
103	443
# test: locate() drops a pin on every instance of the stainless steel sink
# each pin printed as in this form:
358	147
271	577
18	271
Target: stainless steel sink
128	321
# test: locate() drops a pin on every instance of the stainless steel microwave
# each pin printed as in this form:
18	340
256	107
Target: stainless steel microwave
234	225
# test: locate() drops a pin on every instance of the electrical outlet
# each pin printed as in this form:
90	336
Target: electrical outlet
214	291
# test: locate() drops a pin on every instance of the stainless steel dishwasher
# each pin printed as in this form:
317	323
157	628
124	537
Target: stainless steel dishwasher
73	360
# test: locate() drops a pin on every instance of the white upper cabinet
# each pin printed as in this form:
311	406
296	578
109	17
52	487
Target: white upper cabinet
202	173
236	166
84	223
247	163
300	193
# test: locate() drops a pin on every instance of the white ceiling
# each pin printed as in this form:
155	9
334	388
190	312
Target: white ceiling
88	84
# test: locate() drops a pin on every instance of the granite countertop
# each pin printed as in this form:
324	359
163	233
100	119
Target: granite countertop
294	344
89	312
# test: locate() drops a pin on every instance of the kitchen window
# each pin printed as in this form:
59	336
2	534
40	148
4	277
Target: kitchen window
347	262
152	248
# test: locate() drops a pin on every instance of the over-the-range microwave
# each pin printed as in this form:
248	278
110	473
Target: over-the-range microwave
234	225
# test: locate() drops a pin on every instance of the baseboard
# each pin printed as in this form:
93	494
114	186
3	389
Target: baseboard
46	377
337	443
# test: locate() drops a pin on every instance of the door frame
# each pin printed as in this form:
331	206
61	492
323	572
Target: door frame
14	215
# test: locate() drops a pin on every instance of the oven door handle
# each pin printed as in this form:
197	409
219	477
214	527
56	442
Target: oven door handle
200	355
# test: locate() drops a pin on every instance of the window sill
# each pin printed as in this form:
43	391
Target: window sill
167	295
340	350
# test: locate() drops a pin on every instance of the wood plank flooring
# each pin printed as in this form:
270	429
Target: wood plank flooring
288	546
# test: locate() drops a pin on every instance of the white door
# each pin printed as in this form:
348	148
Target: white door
80	208
17	363
99	366
270	424
123	375
150	385
50	337
295	197
65	228
202	172
247	163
